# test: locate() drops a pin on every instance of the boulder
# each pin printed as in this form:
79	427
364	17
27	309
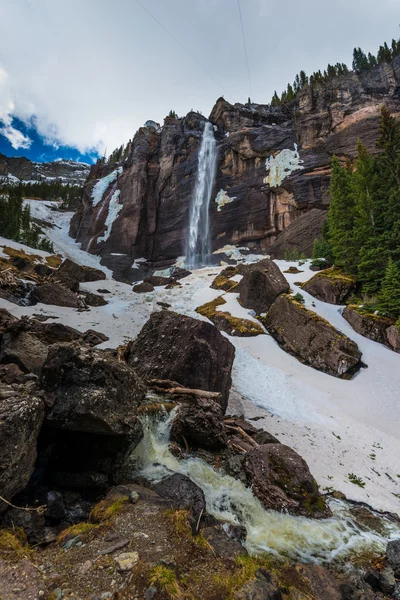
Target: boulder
72	270
53	333
222	544
281	480
157	280
192	352
311	339
94	299
260	285
199	420
183	493
94	338
21	417
24	349
371	326
330	285
143	288
56	294
91	391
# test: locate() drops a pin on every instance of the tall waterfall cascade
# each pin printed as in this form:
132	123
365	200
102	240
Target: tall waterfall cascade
198	245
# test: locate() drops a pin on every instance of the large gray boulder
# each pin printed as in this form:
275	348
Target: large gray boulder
261	284
21	417
311	338
55	294
24	349
192	352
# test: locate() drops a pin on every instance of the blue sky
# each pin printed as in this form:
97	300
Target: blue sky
34	146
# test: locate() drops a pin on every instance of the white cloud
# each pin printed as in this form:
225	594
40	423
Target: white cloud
16	138
93	72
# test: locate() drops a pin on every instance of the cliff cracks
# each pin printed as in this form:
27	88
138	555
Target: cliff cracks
273	167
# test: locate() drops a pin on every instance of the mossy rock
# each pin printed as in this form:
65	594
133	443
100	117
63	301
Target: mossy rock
82	530
107	509
223	280
226	322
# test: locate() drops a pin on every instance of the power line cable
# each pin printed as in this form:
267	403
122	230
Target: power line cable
180	45
245	48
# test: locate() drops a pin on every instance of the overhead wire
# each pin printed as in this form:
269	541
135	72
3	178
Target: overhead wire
245	48
180	45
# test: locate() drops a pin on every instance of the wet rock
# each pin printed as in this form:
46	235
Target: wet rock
55	294
186	350
263	587
143	288
393	555
330	285
387	582
281	480
11	373
199	421
55	506
23	349
183	494
21	418
261	284
31	522
310	338
92	299
222	544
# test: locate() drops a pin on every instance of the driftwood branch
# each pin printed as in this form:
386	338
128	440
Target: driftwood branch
164	386
236	447
242	433
39	509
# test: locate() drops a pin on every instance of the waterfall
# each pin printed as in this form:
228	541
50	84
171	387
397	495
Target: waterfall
198	239
227	499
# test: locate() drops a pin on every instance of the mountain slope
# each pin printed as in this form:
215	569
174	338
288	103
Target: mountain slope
14	169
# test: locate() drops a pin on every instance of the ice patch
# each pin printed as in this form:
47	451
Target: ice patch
222	198
102	185
282	165
114	209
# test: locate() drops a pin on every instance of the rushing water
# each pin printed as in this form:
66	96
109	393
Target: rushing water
198	238
308	540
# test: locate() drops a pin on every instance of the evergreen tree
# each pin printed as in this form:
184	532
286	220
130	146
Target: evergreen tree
389	297
341	217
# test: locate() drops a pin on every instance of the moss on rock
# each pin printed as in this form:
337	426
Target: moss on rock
224	321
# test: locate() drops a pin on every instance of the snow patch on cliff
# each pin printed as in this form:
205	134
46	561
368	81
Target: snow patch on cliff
222	198
102	185
114	209
282	165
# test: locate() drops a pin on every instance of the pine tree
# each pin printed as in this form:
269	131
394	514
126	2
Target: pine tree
341	217
389	297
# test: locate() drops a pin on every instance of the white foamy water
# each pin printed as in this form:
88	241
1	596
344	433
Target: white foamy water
308	540
198	242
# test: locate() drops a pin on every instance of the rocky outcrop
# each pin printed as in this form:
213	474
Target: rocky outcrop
23	349
261	284
21	416
311	339
300	234
70	270
375	327
281	479
183	493
331	285
186	350
273	169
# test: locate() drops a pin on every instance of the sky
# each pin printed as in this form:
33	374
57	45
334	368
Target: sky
78	78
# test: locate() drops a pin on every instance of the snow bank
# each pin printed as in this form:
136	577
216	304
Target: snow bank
102	185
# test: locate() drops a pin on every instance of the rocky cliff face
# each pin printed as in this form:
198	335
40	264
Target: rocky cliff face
273	167
15	169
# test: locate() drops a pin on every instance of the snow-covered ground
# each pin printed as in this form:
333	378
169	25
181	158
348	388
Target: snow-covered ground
339	427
